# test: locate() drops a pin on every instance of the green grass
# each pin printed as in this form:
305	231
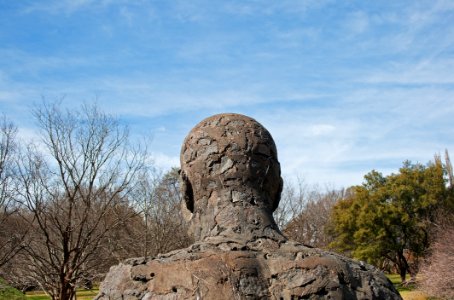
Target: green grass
408	292
37	295
86	294
41	296
9	293
82	294
395	279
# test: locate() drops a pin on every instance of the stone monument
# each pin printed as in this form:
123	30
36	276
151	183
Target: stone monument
231	184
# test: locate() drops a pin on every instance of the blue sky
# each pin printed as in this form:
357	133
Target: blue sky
344	87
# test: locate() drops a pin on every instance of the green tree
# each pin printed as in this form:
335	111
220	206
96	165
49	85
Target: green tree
389	217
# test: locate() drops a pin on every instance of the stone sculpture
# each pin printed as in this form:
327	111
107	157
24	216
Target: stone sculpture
231	184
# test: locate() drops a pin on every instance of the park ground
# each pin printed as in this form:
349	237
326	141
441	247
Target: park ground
407	292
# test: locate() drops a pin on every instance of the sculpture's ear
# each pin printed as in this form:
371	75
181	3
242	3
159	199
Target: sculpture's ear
277	196
186	191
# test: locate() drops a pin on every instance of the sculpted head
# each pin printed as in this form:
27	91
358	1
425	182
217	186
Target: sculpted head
230	160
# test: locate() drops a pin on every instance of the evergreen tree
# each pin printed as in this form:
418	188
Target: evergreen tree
389	218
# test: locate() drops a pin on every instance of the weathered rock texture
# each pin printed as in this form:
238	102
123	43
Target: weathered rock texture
231	183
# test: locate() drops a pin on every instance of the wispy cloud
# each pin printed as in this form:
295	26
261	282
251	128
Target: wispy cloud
344	87
165	162
357	23
67	6
428	71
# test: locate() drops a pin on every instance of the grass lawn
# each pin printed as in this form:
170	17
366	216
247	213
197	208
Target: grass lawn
409	292
9	293
81	294
37	295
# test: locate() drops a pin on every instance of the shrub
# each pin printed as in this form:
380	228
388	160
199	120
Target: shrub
437	272
9	293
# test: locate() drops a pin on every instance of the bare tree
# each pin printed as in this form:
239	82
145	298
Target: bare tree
122	241
73	191
144	199
449	170
436	272
158	200
311	225
293	199
12	229
304	212
168	215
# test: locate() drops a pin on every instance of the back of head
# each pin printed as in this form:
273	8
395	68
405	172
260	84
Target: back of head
229	161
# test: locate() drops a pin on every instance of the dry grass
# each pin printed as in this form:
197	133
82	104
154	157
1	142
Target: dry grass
413	295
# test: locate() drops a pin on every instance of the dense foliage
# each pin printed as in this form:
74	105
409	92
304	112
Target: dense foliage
390	218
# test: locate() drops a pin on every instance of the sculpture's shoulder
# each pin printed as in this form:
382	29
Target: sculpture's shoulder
262	270
189	273
310	273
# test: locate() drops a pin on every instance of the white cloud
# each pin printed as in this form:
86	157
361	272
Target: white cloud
70	6
274	7
8	96
164	162
427	71
357	23
337	100
321	129
30	134
20	62
55	7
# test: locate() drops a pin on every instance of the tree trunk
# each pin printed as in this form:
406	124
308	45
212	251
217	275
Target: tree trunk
402	266
402	273
67	291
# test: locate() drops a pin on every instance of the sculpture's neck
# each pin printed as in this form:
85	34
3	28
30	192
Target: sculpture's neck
224	215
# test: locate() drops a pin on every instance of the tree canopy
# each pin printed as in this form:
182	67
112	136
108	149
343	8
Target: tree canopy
390	217
74	192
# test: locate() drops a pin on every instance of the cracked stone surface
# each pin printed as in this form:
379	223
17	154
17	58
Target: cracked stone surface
231	184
